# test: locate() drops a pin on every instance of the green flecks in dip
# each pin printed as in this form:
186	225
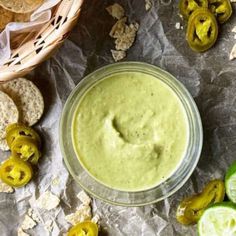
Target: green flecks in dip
130	131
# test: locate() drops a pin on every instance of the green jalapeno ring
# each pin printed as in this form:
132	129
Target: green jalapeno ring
187	7
202	30
222	9
20	130
26	149
190	209
84	228
15	172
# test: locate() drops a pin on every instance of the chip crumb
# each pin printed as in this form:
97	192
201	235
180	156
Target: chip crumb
4	188
118	55
47	201
233	53
82	213
177	25
116	11
124	36
181	16
126	40
20	232
118	28
95	219
84	198
234	29
148	4
28	223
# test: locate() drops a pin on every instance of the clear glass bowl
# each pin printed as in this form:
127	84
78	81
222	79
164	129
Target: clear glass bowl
160	192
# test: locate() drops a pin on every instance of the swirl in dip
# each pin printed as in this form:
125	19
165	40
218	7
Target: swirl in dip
130	131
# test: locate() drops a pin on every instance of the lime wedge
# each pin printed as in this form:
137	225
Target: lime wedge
230	182
218	220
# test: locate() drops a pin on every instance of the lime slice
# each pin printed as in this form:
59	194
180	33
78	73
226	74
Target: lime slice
218	220
230	182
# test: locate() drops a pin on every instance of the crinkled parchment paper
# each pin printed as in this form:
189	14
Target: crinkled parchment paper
210	77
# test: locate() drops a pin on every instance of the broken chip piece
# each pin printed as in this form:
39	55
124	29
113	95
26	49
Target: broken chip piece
83	213
148	4
118	54
116	11
84	198
28	223
47	201
123	34
21	6
20	232
4	188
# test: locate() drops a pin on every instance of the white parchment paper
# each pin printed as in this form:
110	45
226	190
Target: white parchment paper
210	78
38	18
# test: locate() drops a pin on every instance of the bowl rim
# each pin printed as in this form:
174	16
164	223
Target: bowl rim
186	95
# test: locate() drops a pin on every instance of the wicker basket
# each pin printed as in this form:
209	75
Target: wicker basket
32	48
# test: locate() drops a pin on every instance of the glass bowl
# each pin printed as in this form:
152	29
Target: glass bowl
138	198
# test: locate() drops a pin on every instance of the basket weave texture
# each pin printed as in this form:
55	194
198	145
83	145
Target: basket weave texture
34	47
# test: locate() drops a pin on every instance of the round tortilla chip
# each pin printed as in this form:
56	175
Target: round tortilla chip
9	113
28	99
3	145
21	6
5	17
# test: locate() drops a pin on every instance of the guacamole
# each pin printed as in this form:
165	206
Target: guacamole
130	131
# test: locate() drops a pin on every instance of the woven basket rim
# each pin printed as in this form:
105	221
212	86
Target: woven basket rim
40	45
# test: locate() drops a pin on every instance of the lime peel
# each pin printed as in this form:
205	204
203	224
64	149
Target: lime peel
218	220
230	182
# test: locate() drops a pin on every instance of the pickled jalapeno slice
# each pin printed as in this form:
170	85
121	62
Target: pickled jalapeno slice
187	7
26	149
190	209
15	172
222	9
86	228
202	30
19	130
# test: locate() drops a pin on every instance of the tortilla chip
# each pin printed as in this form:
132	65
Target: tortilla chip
9	113
21	6
5	17
27	97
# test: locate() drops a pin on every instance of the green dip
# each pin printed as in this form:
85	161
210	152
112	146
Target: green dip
130	131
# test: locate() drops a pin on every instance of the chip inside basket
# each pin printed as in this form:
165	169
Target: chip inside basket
7	16
21	6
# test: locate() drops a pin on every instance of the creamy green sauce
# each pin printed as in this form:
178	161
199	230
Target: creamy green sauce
130	131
